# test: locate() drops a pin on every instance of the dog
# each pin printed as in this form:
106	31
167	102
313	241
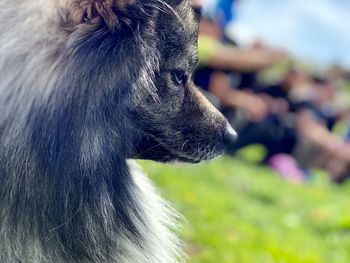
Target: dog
85	87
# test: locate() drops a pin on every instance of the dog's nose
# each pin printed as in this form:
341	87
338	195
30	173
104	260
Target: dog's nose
230	137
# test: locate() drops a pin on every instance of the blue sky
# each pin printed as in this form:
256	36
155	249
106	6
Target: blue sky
318	30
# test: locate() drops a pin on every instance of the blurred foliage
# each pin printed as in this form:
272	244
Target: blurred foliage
241	212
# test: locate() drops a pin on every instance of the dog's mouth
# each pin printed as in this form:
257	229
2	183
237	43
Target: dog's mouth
155	149
201	154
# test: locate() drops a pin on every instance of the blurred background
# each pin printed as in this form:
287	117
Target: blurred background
279	70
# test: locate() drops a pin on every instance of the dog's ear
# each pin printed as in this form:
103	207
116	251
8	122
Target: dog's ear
81	11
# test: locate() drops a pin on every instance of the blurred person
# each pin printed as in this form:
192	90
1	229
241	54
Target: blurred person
216	54
333	152
318	111
290	140
314	143
249	79
276	132
217	60
322	148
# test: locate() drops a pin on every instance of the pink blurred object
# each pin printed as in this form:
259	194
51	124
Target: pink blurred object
287	167
197	3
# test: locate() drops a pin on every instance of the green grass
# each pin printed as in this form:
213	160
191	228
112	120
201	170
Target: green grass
240	212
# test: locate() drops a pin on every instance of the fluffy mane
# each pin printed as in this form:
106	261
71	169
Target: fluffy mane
67	191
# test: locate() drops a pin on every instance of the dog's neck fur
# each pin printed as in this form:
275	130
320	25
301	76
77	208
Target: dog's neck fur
98	237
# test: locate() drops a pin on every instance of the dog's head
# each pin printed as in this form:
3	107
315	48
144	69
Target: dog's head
177	122
148	50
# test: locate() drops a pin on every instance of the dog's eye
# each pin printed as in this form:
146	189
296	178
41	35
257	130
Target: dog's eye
179	77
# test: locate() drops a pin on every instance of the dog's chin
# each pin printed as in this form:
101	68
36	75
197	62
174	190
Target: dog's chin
151	149
180	159
195	158
170	158
161	154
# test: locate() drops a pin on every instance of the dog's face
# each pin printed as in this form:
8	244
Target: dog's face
178	123
146	60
